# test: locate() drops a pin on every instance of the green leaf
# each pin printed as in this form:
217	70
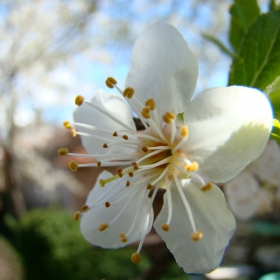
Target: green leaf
273	93
218	43
243	13
258	62
275	133
273	6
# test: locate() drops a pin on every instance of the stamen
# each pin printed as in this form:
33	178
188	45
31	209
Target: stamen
84	208
98	164
107	204
206	187
169	200
151	104
130	174
127	183
125	137
135	258
77	216
165	227
79	100
63	152
115	134
105	146
149	186
186	204
128	92
184	130
196	235
145	149
192	167
168	117
110	82
73	165
103	226
146	113
67	125
74	132
123	237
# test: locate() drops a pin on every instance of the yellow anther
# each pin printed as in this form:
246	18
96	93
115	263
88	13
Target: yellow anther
107	204
105	145
145	149
123	237
108	84
151	104
73	132
196	235
84	208
165	227
146	113
195	166
77	216
103	226
192	167
79	100
127	183
73	165
149	186
125	137
128	92
102	182
115	134
62	152
112	80
67	125
135	258
130	174
135	165
184	130
98	163
206	187
168	117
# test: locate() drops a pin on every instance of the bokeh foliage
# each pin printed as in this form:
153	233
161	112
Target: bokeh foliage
52	247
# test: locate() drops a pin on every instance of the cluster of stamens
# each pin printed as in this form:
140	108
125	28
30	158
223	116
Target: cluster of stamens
157	160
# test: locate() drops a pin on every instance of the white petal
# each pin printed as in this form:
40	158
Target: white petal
92	219
112	103
267	166
228	129
243	195
163	68
211	216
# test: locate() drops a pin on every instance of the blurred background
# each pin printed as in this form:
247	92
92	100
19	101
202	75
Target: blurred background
50	51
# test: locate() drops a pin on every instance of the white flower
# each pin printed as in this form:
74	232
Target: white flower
224	129
256	186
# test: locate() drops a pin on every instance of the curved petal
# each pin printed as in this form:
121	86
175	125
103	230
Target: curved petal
228	129
124	203
243	195
163	68
211	215
112	103
266	167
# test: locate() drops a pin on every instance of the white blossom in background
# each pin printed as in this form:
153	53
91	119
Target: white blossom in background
222	131
257	186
